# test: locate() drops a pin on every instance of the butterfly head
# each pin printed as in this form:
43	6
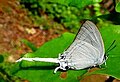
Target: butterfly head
63	64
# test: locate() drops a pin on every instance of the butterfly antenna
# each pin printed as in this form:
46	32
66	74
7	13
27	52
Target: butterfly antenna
110	47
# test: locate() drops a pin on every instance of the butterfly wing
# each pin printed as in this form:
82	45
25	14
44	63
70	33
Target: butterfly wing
90	34
87	49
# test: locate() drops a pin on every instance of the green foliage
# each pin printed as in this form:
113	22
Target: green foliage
76	3
117	8
5	68
67	12
1	58
54	47
29	44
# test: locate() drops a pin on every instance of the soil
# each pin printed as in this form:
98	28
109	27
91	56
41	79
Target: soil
15	25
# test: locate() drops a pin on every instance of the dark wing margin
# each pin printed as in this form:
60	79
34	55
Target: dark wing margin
90	34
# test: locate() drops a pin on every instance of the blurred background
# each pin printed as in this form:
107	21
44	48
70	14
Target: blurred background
39	21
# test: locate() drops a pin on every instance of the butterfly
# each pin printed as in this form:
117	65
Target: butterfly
87	50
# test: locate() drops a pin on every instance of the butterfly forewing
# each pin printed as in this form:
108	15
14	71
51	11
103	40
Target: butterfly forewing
90	34
87	49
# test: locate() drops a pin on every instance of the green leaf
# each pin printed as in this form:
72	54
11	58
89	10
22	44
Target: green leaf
110	33
55	46
39	71
2	80
29	44
50	49
117	7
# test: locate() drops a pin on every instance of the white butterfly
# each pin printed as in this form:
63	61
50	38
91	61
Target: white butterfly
87	50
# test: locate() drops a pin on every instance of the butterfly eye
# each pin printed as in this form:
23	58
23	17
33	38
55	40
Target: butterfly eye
62	57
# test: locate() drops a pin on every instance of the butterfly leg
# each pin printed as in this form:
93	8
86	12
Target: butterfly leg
56	69
105	58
